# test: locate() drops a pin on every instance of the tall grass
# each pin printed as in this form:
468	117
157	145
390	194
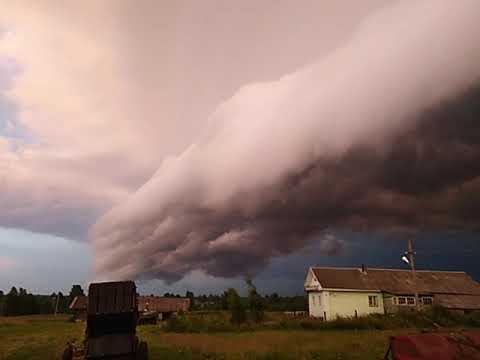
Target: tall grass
213	322
434	317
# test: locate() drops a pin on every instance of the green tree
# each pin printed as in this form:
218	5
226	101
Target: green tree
236	307
2	303
11	303
224	301
191	296
74	292
31	305
255	302
48	304
22	302
63	303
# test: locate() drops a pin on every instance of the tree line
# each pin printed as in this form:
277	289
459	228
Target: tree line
271	302
20	302
254	302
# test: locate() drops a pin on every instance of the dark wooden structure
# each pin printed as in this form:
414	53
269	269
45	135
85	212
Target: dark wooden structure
111	322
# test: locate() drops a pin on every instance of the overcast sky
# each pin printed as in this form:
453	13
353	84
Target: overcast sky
186	144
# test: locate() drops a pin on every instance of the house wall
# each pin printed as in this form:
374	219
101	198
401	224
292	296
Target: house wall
390	307
318	303
344	304
335	304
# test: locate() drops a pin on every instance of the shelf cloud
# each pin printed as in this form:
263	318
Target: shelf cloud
380	133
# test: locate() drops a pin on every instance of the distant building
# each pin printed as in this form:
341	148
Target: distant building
79	307
147	305
164	306
349	292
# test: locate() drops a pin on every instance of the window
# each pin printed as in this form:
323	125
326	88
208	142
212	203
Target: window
373	301
319	300
427	300
405	300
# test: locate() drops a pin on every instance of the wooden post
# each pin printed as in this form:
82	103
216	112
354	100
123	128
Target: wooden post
411	258
56	305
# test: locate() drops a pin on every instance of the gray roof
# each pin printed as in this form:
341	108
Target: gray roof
463	302
397	281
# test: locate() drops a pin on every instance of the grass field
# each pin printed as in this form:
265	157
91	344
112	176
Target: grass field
44	337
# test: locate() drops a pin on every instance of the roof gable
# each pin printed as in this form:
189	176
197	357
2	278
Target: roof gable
79	303
397	281
311	282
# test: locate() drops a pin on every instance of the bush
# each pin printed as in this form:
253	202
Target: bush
194	323
255	302
178	323
473	319
236	307
428	318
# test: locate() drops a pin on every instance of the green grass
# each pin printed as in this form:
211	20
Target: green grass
268	344
36	337
44	338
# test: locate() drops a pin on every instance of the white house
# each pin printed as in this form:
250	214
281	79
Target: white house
350	292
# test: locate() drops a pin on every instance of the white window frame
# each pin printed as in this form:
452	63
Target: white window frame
430	299
372	301
404	301
400	299
313	299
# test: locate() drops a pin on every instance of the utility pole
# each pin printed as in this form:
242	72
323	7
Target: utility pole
411	259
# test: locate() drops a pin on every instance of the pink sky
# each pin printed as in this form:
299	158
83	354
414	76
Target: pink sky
6	263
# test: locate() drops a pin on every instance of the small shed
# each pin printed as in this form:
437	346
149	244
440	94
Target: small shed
163	306
79	307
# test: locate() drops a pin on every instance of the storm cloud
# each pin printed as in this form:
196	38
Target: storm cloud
381	133
95	95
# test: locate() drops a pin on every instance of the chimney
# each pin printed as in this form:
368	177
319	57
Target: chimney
364	268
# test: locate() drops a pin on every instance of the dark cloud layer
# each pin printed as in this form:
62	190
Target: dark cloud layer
428	179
